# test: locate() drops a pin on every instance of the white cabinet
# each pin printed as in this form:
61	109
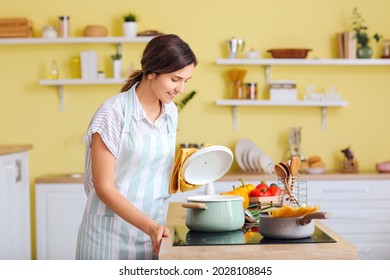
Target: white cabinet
15	232
59	209
361	213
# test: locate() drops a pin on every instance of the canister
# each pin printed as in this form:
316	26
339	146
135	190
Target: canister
63	26
251	91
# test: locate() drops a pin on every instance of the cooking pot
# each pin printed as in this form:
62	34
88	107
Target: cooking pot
214	213
289	227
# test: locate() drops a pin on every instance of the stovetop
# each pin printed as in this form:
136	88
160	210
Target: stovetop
248	235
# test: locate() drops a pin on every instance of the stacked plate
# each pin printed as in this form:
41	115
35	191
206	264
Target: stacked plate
251	158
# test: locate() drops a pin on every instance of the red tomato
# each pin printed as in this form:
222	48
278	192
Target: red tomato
255	193
262	186
274	190
265	193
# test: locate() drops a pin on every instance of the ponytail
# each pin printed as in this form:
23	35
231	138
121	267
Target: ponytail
135	77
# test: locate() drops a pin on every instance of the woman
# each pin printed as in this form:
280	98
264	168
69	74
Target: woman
129	157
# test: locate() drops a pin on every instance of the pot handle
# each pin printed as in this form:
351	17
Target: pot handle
194	205
315	215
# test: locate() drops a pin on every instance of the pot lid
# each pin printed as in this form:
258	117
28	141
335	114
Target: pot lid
207	165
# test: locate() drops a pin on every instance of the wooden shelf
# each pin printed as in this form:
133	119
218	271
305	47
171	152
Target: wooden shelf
234	103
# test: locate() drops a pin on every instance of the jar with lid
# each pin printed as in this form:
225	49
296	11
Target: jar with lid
386	48
63	26
49	31
251	91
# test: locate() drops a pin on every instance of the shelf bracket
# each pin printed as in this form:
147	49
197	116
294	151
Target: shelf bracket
323	118
119	48
267	76
61	96
235	125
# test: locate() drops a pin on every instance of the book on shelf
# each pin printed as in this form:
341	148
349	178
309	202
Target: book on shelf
346	44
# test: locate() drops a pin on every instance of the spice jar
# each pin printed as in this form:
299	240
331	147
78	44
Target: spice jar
386	49
251	91
63	26
48	31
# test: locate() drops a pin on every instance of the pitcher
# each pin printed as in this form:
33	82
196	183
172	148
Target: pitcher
235	47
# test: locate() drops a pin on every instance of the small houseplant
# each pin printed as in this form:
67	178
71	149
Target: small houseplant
361	35
117	65
130	25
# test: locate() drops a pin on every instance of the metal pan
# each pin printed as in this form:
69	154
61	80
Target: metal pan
289	227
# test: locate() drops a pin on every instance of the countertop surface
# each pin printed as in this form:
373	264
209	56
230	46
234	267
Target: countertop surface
10	149
316	251
234	176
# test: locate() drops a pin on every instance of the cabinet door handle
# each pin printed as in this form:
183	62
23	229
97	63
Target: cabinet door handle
365	251
18	165
362	217
365	190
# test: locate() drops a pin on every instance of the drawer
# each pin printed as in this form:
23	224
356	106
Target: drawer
353	227
358	216
352	190
373	251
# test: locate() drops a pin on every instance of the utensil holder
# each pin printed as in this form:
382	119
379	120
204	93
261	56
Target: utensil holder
298	193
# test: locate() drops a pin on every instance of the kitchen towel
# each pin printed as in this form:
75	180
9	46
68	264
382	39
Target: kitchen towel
177	181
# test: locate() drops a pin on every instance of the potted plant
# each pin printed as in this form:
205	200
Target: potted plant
117	65
130	25
361	35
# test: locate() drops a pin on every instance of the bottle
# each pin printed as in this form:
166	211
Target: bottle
54	72
63	26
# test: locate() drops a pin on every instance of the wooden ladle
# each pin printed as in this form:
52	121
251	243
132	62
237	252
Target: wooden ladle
283	173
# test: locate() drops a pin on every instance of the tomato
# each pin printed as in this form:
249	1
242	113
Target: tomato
274	190
262	186
255	193
265	193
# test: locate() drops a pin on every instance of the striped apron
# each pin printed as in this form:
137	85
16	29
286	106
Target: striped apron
143	170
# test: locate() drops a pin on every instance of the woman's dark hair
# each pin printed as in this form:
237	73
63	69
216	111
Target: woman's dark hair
163	54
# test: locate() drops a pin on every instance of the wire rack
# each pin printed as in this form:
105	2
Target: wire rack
298	187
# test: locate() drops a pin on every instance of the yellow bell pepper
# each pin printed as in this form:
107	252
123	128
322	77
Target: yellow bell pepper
241	191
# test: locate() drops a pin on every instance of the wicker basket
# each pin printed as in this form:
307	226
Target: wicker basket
289	53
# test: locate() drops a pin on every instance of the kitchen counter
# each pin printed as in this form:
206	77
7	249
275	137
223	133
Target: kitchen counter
331	251
230	176
10	149
331	175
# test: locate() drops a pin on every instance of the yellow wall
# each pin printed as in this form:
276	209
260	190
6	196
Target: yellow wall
29	113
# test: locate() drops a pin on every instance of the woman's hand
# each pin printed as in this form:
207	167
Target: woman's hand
156	234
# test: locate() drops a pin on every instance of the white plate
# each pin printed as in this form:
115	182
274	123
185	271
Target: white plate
241	145
244	159
318	170
254	153
207	165
265	162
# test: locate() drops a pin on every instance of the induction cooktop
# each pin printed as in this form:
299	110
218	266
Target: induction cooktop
248	235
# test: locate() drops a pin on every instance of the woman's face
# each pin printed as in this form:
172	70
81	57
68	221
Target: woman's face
167	86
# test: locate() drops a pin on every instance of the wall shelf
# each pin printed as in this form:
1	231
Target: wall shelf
60	83
268	62
234	103
74	40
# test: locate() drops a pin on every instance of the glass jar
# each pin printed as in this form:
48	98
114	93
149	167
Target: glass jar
251	91
386	49
49	31
63	26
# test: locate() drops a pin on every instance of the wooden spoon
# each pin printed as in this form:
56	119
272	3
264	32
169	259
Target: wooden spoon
295	165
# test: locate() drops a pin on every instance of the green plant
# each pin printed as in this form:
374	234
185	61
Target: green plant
130	17
360	28
180	105
116	56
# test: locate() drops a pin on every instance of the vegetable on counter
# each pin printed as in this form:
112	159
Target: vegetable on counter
243	191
